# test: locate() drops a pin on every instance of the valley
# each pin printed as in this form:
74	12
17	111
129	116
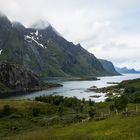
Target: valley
55	89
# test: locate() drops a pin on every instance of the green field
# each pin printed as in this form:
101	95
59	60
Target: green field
115	128
22	125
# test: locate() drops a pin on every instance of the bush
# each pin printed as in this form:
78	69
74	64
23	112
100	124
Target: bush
60	110
121	102
35	112
6	110
108	100
112	107
92	112
91	103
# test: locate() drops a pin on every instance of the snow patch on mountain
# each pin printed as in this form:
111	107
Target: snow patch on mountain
36	33
30	39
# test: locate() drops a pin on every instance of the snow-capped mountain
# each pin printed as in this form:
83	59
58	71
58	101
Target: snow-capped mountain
41	49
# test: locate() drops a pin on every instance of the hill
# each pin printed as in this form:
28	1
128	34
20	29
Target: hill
34	120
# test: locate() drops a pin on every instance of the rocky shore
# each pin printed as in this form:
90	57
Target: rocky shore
110	92
17	79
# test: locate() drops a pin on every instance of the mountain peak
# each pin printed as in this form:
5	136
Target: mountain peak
41	24
17	25
4	21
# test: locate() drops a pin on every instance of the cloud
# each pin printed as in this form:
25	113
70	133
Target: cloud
109	29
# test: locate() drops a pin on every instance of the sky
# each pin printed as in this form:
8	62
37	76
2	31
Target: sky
110	29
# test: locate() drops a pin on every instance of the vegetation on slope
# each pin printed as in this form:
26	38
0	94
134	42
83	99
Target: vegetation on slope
115	128
58	118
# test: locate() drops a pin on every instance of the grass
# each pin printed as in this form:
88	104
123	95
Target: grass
115	128
21	125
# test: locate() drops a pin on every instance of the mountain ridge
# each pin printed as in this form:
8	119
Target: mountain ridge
127	70
45	52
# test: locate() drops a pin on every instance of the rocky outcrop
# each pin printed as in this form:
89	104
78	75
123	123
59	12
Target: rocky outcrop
17	78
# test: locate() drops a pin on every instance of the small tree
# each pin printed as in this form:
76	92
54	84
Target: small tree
91	103
60	110
83	100
35	111
121	102
112	107
92	112
81	107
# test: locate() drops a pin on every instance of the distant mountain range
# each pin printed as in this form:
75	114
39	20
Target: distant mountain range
126	70
43	50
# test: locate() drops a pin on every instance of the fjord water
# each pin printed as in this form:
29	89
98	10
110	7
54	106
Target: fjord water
79	88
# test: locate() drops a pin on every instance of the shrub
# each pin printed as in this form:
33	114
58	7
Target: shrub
6	110
108	100
121	102
60	110
91	103
35	111
112	107
92	112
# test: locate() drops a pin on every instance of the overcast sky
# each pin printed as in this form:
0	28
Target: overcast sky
110	29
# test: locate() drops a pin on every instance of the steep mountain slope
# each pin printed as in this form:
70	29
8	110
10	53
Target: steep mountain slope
108	66
45	52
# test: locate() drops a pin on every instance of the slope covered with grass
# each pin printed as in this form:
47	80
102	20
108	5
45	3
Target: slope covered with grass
35	120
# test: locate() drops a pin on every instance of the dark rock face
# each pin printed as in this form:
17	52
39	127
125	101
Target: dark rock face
18	78
108	66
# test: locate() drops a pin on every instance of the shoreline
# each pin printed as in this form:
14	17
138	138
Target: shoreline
6	95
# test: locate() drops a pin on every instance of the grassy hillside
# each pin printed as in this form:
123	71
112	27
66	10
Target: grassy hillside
115	128
35	120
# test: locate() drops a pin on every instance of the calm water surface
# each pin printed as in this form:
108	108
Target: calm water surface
78	88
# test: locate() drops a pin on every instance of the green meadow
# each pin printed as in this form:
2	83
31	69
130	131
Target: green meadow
35	120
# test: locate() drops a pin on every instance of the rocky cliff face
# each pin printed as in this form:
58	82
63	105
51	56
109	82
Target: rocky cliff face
108	66
45	52
17	78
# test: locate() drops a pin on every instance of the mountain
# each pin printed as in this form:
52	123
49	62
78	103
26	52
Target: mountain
126	70
43	50
108	66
